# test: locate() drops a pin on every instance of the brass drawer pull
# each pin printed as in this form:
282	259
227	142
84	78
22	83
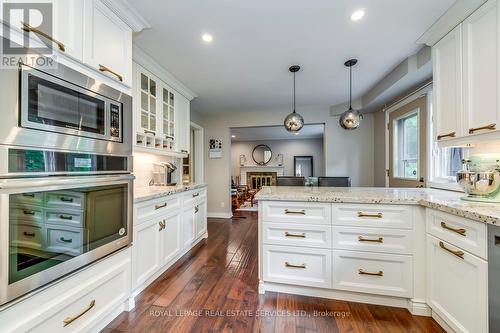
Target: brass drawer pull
377	215
302	235
287	264
196	194
160	206
295	212
162	224
459	231
378	240
196	209
103	68
63	199
28	212
29	234
69	320
458	253
149	132
65	217
362	272
184	151
26	27
62	239
490	127
447	135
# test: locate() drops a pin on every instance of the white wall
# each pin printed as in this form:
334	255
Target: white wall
345	152
288	148
379	129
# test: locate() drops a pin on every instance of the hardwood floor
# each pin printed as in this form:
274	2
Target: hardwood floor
214	289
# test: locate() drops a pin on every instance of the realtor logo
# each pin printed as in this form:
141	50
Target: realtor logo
27	32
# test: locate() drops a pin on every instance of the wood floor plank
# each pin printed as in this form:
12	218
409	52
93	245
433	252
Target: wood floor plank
214	288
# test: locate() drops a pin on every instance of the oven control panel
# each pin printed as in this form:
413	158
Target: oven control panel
115	120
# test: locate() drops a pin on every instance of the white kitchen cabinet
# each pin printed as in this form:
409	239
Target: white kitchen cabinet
146	250
188	226
170	238
480	70
457	283
447	78
107	42
183	124
200	219
146	101
68	26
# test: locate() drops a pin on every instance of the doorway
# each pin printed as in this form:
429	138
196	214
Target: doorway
408	144
192	165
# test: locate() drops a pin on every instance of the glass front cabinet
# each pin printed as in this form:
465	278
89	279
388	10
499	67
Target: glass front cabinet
161	114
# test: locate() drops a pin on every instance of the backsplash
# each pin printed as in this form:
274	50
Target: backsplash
143	167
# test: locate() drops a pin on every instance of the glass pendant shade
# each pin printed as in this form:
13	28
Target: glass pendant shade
350	119
294	121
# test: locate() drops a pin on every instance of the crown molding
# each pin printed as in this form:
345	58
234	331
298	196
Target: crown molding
124	10
145	60
455	15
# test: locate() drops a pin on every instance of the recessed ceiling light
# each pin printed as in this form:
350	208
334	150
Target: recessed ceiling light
233	136
358	15
207	38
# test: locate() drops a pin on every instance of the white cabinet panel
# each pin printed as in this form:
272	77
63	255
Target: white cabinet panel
297	235
107	42
68	26
183	123
188	227
296	212
295	265
384	240
457	286
480	59
375	273
146	250
170	238
200	218
447	77
466	234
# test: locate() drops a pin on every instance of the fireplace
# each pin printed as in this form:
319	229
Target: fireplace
255	180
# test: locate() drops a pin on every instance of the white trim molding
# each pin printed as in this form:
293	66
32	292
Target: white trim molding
217	215
128	14
458	12
146	61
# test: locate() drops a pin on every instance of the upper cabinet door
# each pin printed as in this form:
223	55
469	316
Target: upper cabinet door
107	42
447	72
68	26
183	123
480	61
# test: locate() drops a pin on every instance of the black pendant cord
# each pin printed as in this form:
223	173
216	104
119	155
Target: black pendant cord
293	92
350	88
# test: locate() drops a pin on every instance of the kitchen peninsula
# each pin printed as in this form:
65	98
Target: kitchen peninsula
409	248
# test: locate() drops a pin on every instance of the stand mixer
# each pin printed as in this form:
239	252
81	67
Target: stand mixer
480	178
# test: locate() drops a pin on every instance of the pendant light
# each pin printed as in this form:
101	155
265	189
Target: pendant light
294	121
350	119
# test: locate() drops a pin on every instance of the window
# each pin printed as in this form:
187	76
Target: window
406	146
446	163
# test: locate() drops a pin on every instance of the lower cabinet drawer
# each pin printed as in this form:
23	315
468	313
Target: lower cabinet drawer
85	311
297	235
296	212
375	273
145	210
396	241
299	266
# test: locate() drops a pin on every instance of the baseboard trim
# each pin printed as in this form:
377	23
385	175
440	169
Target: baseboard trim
219	215
442	323
419	307
335	294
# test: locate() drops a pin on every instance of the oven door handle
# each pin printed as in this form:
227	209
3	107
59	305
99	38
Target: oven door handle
82	181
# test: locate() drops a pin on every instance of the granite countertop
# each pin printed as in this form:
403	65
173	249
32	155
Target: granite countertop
152	192
445	201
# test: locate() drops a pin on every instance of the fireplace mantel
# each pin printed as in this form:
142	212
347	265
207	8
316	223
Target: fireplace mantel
280	170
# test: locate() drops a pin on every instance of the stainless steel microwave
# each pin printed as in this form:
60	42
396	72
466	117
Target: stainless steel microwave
49	103
64	109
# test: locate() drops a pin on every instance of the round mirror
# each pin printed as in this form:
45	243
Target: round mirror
262	154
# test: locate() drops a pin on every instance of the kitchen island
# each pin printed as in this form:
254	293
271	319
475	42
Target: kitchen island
411	248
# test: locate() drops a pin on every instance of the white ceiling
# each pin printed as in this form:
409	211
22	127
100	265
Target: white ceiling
246	66
276	133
